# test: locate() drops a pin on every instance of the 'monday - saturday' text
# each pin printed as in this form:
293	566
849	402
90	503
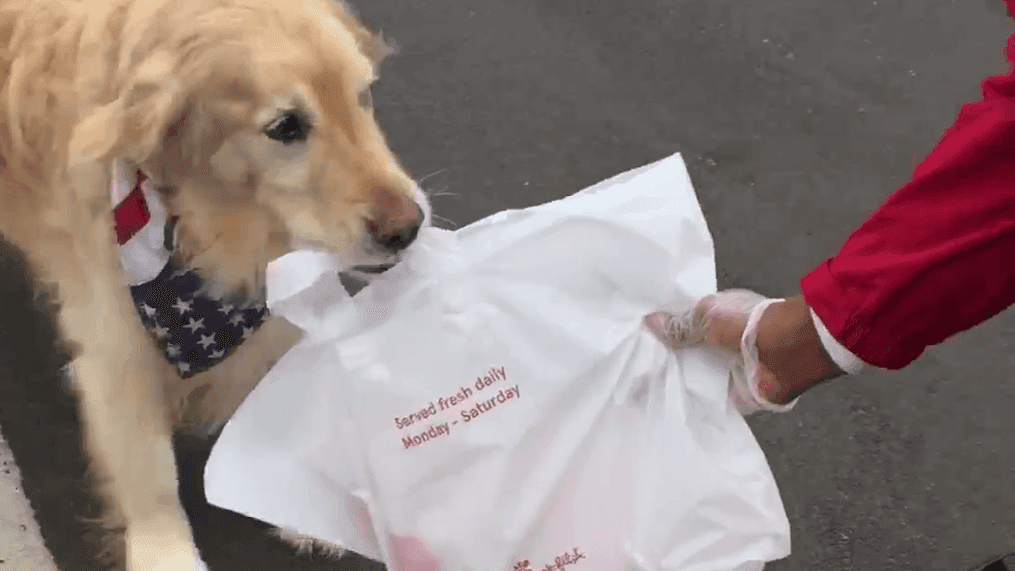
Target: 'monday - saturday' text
470	402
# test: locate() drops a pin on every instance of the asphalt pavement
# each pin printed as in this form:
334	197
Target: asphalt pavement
796	118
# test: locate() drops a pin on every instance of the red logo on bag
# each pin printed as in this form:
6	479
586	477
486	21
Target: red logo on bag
559	563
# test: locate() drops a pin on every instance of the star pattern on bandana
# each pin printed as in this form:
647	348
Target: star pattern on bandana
182	306
195	332
148	310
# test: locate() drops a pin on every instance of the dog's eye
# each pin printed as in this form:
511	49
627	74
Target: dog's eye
288	128
366	99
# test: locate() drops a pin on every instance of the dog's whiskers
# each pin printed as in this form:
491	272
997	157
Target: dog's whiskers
436	172
445	220
441	192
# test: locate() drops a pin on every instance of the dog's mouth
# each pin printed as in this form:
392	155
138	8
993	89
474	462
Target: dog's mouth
375	269
355	278
366	263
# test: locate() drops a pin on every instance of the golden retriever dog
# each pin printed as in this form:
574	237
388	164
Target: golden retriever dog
255	118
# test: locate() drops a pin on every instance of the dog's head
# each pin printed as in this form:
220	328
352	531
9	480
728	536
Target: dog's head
257	116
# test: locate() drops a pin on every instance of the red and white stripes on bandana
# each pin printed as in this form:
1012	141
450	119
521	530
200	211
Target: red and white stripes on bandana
141	222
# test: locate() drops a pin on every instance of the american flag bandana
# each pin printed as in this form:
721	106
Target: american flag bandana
194	332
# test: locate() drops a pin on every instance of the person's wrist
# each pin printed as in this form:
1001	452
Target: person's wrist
790	348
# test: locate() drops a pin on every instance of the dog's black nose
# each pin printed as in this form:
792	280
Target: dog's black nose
396	235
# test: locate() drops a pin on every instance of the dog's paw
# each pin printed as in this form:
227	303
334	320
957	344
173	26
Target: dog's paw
219	391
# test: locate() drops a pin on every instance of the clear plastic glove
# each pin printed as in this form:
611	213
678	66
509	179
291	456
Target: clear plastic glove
729	320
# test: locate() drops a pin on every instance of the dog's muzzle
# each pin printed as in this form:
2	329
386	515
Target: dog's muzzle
394	237
397	219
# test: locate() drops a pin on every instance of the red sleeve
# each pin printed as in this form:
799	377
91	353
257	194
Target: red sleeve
939	256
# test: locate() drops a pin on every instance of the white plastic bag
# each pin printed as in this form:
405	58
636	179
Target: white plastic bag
494	402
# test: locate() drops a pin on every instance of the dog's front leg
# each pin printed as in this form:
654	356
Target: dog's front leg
120	377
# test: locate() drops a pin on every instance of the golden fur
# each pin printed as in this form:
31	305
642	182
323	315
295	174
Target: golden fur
184	90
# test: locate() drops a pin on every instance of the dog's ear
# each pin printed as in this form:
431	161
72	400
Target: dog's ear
96	137
135	124
375	46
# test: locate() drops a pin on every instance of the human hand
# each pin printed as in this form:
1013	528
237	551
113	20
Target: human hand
728	320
